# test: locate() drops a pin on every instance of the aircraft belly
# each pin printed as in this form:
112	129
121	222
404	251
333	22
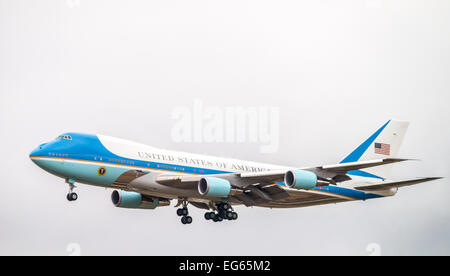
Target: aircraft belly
147	184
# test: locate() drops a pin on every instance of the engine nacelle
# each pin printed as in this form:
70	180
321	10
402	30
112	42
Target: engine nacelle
213	186
299	179
123	199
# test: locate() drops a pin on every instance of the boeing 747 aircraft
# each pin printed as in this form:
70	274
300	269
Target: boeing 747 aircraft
146	177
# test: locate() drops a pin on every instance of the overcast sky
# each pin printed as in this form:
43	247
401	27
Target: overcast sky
336	71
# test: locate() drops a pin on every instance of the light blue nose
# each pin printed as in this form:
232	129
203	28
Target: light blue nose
39	151
38	156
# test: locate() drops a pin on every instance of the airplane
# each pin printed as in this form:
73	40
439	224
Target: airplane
146	177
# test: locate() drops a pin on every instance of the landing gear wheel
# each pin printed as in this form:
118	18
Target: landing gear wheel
207	216
72	196
179	212
229	215
184	211
224	211
235	216
186	219
222	214
210	216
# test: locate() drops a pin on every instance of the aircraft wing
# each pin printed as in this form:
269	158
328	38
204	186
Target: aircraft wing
395	184
326	175
260	186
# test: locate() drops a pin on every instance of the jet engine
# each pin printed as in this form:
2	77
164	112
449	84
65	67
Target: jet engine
300	179
132	200
213	186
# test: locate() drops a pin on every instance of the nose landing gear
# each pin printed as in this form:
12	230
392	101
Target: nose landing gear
71	196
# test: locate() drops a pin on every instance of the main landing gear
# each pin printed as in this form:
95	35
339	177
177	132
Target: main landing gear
224	211
184	214
71	196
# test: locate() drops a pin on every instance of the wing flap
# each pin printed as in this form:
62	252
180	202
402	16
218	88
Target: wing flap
275	192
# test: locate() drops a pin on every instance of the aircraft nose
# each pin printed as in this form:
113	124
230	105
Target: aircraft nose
37	151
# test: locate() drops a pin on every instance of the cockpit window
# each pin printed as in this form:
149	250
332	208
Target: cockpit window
67	137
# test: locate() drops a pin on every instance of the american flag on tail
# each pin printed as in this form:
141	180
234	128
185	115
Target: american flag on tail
381	148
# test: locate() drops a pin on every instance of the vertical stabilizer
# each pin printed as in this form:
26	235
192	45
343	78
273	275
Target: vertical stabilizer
384	143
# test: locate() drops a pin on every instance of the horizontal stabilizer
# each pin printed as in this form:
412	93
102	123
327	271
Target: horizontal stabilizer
395	184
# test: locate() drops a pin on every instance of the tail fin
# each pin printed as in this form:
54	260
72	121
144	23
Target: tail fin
384	143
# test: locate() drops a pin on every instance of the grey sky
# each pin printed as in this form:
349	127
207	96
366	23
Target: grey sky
337	70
